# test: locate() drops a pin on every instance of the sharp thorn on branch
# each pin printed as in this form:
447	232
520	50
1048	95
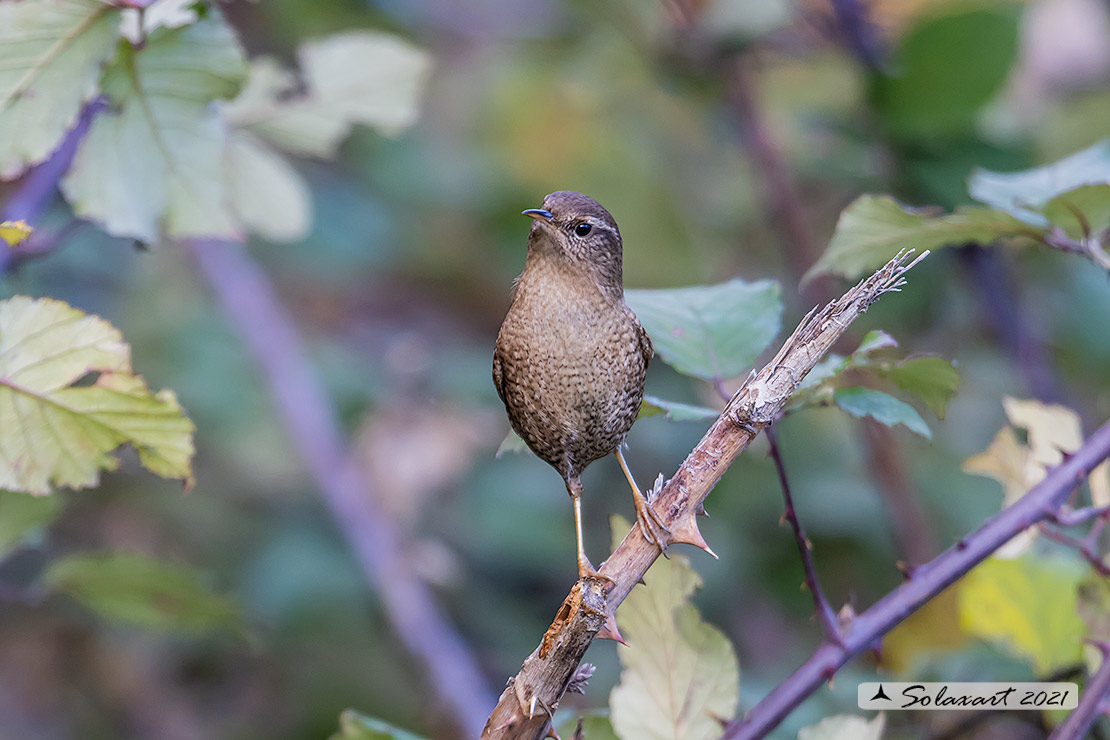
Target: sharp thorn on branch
687	531
609	631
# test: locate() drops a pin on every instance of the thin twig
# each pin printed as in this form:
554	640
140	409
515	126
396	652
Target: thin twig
925	583
825	614
974	718
37	189
1068	517
1083	547
524	709
1095	533
252	304
1092	703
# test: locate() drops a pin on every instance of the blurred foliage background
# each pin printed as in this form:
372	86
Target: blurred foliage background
404	278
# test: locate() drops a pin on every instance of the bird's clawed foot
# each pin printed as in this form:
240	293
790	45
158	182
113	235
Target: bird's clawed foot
684	530
652	526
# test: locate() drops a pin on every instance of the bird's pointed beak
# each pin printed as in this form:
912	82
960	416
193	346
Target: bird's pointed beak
539	214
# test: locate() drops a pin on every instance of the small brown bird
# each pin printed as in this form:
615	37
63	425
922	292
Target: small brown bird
571	356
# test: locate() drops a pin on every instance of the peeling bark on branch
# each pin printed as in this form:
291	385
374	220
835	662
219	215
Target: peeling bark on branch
525	707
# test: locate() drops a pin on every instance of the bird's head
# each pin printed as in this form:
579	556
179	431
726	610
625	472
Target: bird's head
576	228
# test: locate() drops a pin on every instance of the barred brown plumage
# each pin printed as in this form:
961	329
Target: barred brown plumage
571	356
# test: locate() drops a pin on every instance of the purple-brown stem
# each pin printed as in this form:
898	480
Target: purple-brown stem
39	184
825	613
250	301
1039	504
1091	704
1084	547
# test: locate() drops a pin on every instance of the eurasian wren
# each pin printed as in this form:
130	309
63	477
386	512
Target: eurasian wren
571	355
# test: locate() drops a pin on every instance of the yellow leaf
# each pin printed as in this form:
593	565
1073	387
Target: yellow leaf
14	232
1100	484
1010	463
1027	605
845	727
933	628
680	675
1052	429
56	433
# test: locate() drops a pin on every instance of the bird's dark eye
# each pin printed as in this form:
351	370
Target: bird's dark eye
583	229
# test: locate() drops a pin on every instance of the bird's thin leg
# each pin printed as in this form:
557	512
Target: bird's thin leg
646	516
585	568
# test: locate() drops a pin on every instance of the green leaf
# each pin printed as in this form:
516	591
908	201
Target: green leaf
823	372
134	589
355	726
349	78
844	727
53	51
947	68
874	228
1028	605
675	411
154	161
714	331
1026	194
53	432
511	444
680	675
883	408
265	191
932	379
873	341
1084	210
21	516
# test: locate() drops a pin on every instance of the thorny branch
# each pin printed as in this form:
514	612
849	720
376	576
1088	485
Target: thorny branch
525	707
825	613
1091	705
1039	504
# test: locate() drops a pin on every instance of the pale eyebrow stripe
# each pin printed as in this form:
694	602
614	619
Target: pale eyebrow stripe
600	224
